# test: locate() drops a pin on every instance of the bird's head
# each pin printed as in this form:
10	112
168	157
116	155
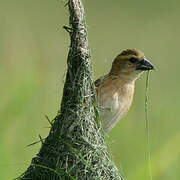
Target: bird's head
130	64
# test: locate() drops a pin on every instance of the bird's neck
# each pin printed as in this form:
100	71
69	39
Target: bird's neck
127	78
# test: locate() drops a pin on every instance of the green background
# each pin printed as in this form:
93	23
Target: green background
33	52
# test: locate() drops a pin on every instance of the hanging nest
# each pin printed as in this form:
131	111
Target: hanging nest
75	147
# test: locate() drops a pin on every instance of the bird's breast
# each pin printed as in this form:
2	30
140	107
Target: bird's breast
114	101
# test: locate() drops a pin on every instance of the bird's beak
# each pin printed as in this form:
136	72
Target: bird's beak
145	65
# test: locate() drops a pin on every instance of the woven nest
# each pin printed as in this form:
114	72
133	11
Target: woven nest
75	147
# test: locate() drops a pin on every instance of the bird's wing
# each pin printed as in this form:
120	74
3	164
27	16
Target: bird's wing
98	81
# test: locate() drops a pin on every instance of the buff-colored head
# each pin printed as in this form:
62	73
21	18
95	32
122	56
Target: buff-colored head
130	64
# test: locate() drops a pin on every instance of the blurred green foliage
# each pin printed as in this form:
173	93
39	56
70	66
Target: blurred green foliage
33	51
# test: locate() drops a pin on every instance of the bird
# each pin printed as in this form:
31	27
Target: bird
115	90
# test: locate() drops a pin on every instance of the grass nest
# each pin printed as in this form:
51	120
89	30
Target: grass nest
75	147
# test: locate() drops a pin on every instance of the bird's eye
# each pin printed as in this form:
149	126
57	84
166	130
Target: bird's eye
133	60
